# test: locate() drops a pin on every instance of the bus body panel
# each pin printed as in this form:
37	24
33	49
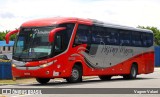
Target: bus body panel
98	60
65	63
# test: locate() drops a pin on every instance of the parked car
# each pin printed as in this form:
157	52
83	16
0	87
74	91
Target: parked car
4	58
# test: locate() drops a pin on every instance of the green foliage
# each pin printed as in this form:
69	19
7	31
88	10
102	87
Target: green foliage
3	34
156	33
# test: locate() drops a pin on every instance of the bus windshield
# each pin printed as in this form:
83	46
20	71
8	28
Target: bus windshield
32	44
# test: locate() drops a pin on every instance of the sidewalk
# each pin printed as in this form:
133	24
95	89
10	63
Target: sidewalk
7	82
17	81
157	68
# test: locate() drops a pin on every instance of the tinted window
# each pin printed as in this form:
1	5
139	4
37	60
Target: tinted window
67	33
147	39
83	35
136	39
98	35
62	38
58	43
125	38
113	36
103	35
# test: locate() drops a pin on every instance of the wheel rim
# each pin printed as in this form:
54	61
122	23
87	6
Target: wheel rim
75	74
133	72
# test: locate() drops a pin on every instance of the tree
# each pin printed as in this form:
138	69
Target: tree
3	34
156	33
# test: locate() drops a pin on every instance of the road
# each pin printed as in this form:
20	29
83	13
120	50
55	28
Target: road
143	81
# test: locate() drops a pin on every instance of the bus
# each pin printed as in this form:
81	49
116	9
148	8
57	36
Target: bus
69	48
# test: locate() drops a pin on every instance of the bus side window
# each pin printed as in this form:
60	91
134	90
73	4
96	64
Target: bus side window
58	43
98	35
67	33
125	37
112	36
137	39
82	35
62	38
147	39
144	39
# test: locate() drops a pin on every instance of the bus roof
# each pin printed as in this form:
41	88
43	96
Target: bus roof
110	25
60	20
54	21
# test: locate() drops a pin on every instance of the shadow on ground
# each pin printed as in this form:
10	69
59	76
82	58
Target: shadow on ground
88	81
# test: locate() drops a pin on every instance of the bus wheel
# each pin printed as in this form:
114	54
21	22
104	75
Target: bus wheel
76	75
43	80
106	77
133	73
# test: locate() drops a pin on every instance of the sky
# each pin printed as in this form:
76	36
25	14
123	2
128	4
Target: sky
124	12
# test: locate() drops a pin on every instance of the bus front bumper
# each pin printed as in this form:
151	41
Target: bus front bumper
22	72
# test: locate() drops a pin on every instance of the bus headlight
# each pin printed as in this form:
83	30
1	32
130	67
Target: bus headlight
13	65
46	64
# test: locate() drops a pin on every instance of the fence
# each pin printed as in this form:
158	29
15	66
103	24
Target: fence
157	56
5	70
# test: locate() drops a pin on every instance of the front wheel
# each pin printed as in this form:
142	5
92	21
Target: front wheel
76	75
43	80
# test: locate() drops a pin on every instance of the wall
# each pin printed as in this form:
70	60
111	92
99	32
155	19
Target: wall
6	49
157	56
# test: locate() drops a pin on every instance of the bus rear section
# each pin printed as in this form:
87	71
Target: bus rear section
116	50
71	48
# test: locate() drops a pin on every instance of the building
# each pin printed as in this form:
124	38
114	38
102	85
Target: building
6	48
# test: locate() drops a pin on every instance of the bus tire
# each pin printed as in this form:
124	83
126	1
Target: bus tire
133	73
105	77
43	80
76	75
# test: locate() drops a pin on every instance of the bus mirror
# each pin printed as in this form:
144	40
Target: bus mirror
7	37
53	32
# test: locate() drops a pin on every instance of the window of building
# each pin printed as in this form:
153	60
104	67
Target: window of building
9	48
4	48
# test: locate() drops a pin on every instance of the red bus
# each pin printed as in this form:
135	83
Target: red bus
72	47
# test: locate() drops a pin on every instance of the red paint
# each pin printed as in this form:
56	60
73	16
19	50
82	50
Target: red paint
56	20
53	32
67	65
145	61
7	37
